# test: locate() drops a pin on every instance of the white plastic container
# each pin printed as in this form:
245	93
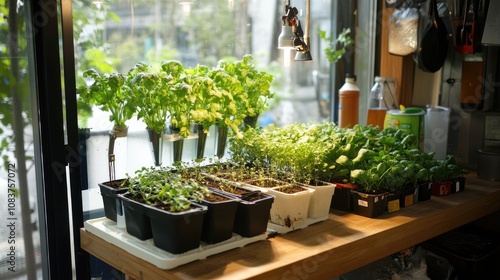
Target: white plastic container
436	131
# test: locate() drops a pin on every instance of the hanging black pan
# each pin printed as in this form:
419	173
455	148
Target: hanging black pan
433	39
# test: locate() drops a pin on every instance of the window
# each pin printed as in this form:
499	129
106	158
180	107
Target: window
115	35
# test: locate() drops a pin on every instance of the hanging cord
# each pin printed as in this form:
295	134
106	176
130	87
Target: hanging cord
394	105
450	81
111	156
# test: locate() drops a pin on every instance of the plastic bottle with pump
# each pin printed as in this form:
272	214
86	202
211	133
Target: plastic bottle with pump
349	102
377	105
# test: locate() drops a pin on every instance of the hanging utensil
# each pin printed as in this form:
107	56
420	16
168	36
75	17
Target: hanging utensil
433	39
465	40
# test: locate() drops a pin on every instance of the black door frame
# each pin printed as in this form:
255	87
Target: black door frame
49	124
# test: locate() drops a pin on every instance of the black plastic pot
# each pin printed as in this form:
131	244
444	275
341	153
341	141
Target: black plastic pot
368	205
177	232
156	142
137	221
441	188
251	121
392	203
201	142
109	193
341	199
424	191
178	149
218	222
221	140
253	211
458	185
408	196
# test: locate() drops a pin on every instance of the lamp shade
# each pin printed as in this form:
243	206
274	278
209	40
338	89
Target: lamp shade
285	40
303	56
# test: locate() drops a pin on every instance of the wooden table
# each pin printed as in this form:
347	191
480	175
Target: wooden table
324	250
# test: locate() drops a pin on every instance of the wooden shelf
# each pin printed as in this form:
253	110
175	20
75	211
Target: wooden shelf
324	250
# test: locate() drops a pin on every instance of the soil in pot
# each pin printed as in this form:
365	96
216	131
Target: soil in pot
253	209
218	221
222	185
109	192
267	183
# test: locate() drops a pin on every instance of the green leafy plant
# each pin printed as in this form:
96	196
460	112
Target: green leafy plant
232	95
209	104
178	194
298	150
165	187
152	95
375	160
146	183
179	109
111	93
446	170
256	84
336	47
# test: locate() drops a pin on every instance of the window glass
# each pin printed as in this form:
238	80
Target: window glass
113	36
20	244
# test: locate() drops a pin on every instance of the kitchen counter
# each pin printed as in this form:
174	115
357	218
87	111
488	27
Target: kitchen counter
324	250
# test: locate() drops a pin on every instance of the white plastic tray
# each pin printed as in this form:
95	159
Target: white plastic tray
146	250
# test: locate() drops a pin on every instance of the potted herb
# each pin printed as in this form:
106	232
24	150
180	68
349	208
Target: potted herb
253	211
180	101
143	187
294	153
176	220
444	175
256	86
110	92
370	197
306	155
229	99
152	95
179	111
205	98
457	175
417	175
218	221
162	205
